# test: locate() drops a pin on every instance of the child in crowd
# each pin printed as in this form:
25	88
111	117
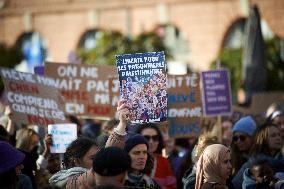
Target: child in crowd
260	175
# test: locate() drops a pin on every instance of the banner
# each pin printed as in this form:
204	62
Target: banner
184	105
85	87
216	90
142	80
32	98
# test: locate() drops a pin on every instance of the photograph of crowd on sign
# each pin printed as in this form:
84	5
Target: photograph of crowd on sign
143	85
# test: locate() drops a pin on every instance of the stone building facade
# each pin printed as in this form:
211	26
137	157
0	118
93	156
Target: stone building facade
204	24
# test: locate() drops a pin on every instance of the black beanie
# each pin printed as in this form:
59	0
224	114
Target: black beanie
111	161
133	141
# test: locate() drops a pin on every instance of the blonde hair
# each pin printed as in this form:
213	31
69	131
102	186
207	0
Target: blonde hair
23	138
204	140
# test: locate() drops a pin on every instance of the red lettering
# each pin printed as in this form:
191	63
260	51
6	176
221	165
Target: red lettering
25	88
39	120
98	110
75	95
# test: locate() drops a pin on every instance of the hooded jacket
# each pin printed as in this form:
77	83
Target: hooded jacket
61	177
276	162
249	182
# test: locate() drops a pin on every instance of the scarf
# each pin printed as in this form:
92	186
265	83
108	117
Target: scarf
209	163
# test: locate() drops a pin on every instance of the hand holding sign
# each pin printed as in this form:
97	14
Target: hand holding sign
47	145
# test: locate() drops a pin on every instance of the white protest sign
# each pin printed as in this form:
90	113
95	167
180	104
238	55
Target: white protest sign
62	136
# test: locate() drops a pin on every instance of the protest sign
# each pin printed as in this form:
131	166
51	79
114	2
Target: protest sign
216	93
184	105
39	70
33	98
85	87
114	94
62	136
142	80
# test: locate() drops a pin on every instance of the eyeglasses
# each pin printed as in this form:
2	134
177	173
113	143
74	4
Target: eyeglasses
153	137
241	137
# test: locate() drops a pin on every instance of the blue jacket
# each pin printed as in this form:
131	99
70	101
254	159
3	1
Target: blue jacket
276	162
249	182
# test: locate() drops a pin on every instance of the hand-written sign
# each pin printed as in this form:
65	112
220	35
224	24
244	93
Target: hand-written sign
216	93
85	87
143	85
33	98
113	94
62	136
184	105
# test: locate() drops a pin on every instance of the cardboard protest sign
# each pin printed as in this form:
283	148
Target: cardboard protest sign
114	94
33	98
85	87
216	90
184	105
62	136
143	85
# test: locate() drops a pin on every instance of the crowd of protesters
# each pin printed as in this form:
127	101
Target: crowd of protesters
249	155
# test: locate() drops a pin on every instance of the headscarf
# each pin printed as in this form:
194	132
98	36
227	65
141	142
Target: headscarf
209	164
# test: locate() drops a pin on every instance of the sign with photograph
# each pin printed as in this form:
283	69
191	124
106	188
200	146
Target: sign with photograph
143	85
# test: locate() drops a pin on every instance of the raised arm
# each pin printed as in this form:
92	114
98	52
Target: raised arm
117	138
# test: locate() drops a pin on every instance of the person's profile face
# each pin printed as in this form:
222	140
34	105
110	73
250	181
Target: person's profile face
274	139
279	121
87	160
262	174
226	166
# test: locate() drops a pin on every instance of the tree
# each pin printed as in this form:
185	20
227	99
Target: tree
112	43
232	60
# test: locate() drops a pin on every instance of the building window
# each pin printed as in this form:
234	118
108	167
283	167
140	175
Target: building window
34	51
89	39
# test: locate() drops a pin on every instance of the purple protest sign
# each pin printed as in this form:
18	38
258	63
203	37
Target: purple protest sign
39	70
216	91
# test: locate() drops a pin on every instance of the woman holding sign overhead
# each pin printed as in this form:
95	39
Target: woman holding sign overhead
161	170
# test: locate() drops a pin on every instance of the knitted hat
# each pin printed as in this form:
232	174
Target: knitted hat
134	140
245	125
10	157
111	161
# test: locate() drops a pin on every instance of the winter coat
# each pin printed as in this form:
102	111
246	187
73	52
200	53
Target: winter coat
189	179
249	182
276	162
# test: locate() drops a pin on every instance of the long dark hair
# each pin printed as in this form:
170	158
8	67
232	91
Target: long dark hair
156	128
76	150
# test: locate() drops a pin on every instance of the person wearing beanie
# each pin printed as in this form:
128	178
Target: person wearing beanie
137	147
110	166
10	167
243	131
79	176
